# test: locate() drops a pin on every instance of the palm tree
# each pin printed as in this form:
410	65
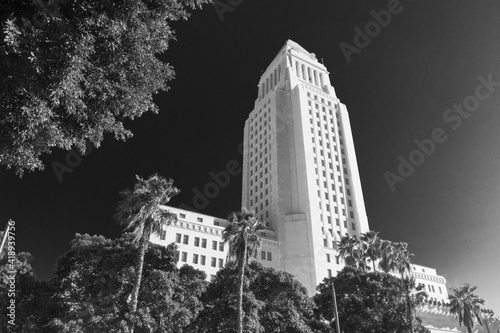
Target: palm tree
371	246
244	242
140	211
387	261
347	247
402	258
466	305
414	295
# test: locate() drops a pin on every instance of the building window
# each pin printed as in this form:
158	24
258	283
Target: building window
337	260
221	246
440	291
163	234
195	258
199	219
214	245
213	262
203	258
184	256
327	257
221	263
263	255
178	238
269	256
329	273
183	216
353	226
197	241
186	239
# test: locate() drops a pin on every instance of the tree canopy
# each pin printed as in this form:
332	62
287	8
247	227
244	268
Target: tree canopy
371	302
94	282
466	305
72	71
274	301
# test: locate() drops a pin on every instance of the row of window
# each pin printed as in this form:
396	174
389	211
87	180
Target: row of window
431	289
330	231
328	259
266	255
308	74
183	216
200	259
270	82
185	240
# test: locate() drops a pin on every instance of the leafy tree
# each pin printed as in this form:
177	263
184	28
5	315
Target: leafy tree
466	305
72	71
274	301
95	278
221	304
141	211
33	304
244	242
287	308
367	302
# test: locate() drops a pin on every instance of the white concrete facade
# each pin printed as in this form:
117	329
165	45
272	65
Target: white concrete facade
435	285
300	173
199	241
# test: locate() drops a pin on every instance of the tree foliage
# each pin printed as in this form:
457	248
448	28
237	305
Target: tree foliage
95	280
273	301
33	303
241	234
72	71
466	305
371	302
141	211
391	256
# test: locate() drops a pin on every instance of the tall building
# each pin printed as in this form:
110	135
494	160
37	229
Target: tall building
300	173
300	176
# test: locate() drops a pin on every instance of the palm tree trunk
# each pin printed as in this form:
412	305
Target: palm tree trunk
469	329
138	268
242	264
409	309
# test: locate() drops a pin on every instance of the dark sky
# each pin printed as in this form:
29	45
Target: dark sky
397	90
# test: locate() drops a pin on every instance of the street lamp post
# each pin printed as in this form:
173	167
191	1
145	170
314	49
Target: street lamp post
335	309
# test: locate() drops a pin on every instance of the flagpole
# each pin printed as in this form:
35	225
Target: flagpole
335	309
